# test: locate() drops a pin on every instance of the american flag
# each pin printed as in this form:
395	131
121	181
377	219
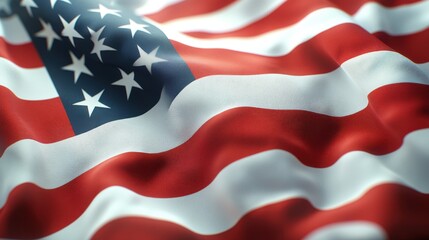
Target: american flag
214	119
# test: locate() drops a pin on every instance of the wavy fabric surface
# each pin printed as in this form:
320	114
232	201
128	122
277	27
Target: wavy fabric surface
215	119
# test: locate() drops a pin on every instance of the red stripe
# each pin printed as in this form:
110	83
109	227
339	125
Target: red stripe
318	55
24	55
353	6
317	140
188	8
402	212
45	121
413	46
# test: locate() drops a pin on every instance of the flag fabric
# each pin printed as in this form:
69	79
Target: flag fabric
215	119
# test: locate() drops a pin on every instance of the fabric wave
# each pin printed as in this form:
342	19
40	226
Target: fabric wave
216	119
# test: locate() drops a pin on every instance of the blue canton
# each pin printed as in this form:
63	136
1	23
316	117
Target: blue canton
106	63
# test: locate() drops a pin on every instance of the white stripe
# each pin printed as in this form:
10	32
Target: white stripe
274	43
356	230
372	16
339	93
235	16
28	84
165	127
282	41
258	181
155	6
12	30
396	21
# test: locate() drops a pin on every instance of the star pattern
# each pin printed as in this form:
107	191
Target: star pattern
105	63
104	11
48	33
5	7
98	43
77	67
147	59
91	102
54	2
28	4
128	82
134	27
69	30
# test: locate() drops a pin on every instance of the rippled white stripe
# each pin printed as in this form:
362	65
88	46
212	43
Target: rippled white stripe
339	93
28	84
400	20
356	230
274	43
372	16
258	181
282	41
12	30
233	17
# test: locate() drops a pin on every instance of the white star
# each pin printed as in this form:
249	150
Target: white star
5	6
98	43
28	4
48	33
105	11
134	27
53	2
95	35
128	82
147	60
91	102
69	29
77	67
